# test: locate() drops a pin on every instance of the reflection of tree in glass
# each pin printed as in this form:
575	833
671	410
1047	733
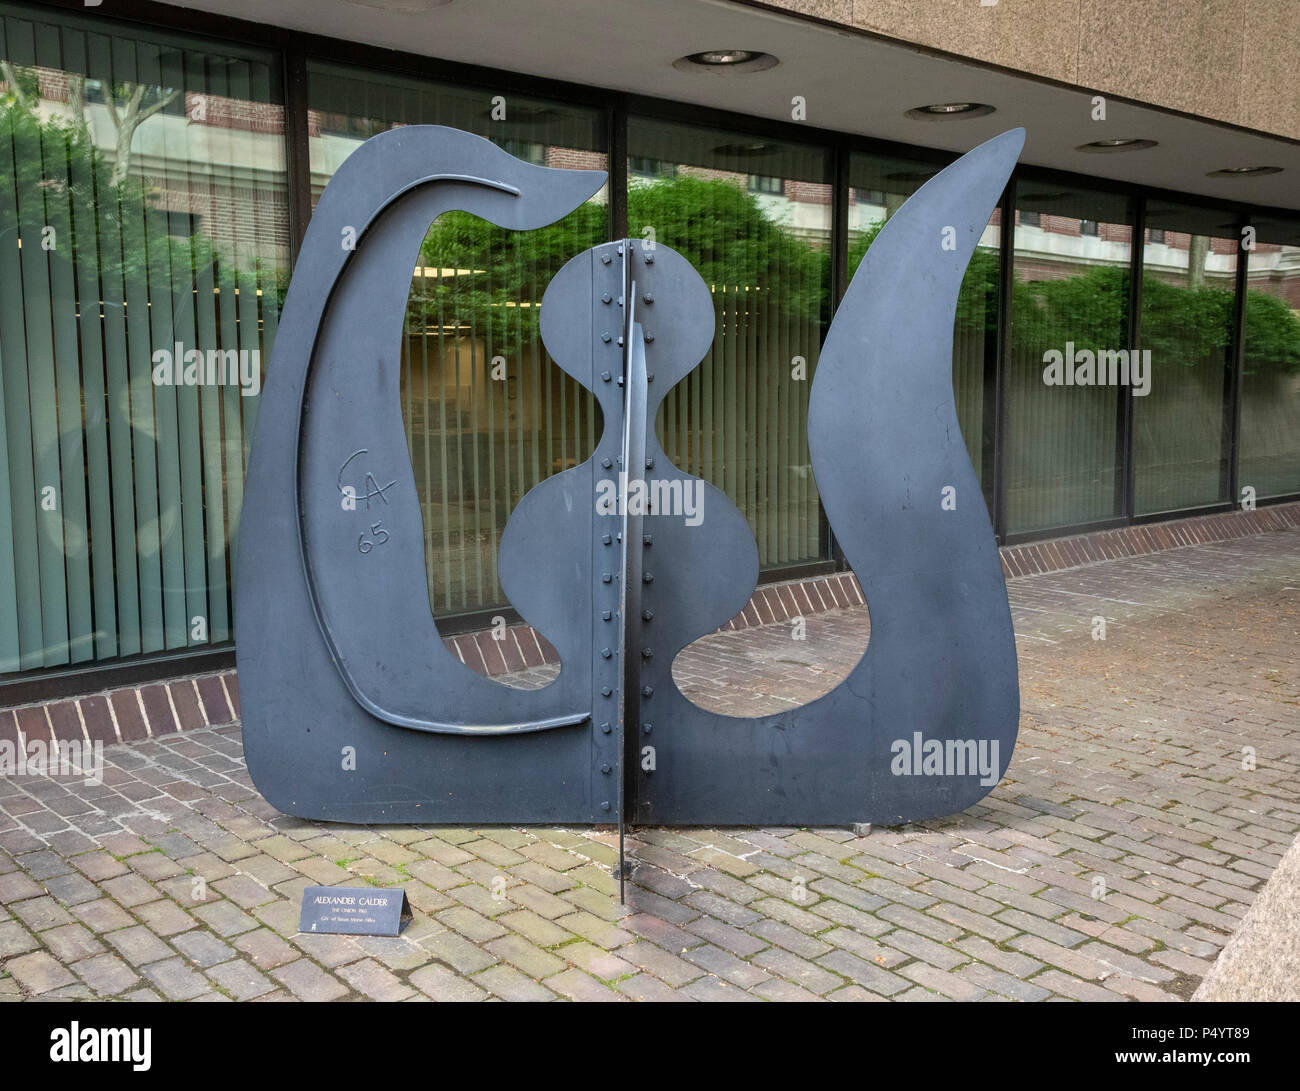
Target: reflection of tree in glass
480	274
58	178
129	105
1185	325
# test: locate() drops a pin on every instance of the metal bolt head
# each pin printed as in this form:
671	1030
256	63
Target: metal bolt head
648	539
648	691
607	462
607	614
605	653
649	337
649	297
605	537
605	297
649	577
605	728
605	691
647	727
604	767
605	337
647	653
647	615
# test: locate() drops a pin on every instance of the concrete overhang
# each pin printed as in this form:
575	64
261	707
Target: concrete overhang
851	81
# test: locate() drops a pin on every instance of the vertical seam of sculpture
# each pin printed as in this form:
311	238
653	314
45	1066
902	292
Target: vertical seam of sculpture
923	725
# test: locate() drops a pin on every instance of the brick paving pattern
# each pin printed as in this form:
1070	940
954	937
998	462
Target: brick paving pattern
1153	791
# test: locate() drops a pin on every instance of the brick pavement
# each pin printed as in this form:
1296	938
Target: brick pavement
1114	861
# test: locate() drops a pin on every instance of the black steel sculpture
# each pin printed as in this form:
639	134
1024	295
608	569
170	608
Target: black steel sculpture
353	710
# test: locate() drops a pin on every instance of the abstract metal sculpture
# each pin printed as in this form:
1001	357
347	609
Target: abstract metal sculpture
353	710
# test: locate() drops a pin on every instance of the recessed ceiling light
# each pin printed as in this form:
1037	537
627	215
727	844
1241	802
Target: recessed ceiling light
724	56
1120	144
1242	172
727	60
402	7
937	110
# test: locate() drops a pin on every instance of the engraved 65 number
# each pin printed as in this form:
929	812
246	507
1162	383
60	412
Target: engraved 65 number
378	536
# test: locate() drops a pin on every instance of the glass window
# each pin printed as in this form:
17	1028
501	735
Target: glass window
143	253
641	166
1069	303
477	443
1270	384
740	419
878	187
1180	458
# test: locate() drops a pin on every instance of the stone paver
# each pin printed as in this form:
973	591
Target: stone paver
1154	789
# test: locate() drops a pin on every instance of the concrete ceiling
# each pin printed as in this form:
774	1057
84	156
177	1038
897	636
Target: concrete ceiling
850	82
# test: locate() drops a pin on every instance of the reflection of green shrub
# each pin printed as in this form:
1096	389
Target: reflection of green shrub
717	226
723	231
56	178
1272	335
1186	326
487	271
1088	310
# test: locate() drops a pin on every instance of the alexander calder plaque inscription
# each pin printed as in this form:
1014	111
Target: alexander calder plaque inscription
353	910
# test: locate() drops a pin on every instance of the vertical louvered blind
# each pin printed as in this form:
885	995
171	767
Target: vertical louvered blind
754	218
142	206
1270	383
1071	288
1188	302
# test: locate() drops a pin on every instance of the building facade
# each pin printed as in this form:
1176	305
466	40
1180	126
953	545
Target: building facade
159	164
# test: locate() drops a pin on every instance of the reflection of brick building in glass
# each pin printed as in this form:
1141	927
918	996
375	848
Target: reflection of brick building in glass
213	159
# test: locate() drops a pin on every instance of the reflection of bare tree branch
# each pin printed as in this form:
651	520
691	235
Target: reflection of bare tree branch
129	118
77	97
112	109
1198	249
